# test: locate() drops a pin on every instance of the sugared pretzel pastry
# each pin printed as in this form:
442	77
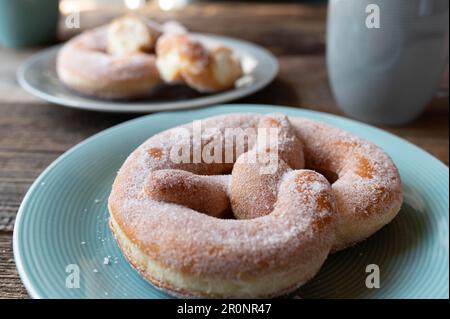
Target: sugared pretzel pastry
119	61
101	63
180	58
172	219
115	61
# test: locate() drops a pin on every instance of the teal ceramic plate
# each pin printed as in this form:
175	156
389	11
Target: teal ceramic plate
61	231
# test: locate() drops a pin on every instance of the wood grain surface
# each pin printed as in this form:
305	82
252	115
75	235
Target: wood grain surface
33	133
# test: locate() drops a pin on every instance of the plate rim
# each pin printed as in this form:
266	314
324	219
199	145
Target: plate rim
227	108
145	108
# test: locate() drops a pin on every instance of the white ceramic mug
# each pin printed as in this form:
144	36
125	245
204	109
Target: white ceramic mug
386	57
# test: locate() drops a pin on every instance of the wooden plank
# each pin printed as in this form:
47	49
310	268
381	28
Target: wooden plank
10	284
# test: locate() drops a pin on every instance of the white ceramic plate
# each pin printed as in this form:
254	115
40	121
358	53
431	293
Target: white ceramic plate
38	76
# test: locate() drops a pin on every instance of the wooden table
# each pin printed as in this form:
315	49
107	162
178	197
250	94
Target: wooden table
33	133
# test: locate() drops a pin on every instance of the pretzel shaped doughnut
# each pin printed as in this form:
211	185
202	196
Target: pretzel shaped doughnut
169	217
114	61
130	56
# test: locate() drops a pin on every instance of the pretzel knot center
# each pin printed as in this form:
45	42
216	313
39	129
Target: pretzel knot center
252	189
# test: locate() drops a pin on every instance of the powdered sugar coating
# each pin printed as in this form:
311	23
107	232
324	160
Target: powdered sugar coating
368	190
257	174
300	227
86	55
